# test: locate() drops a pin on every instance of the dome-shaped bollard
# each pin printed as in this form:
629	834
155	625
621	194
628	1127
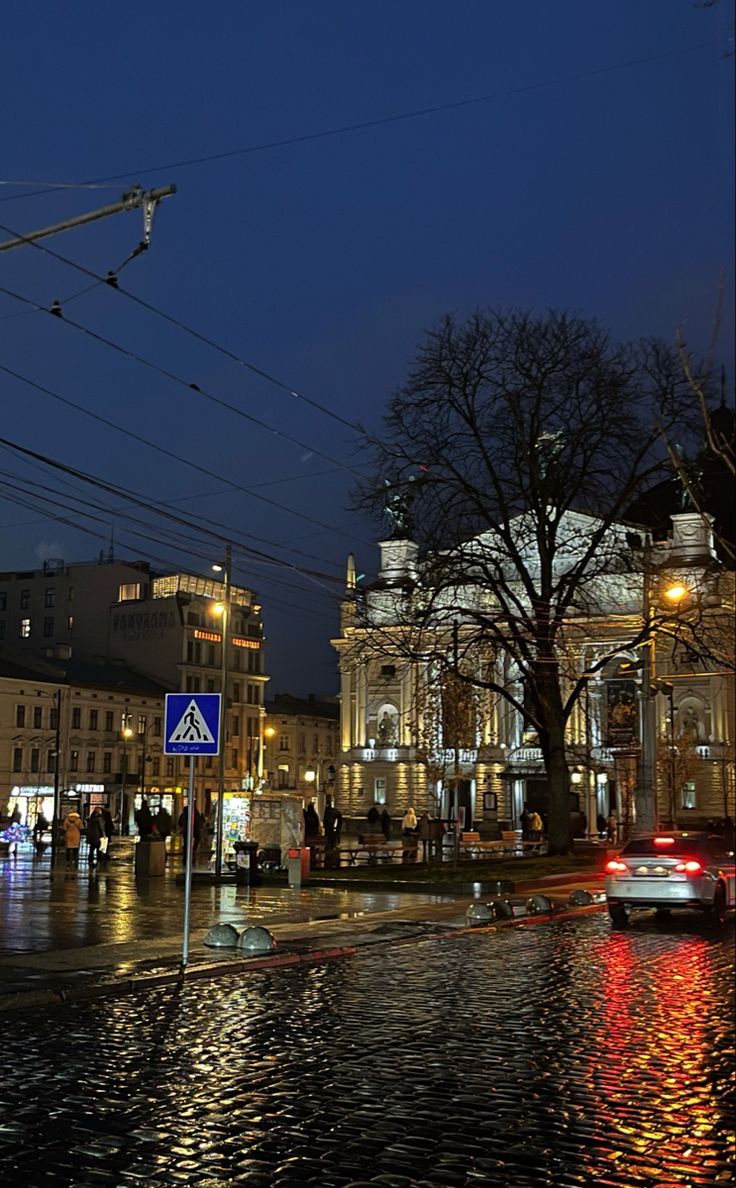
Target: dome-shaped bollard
256	940
538	905
477	914
502	909
221	936
580	897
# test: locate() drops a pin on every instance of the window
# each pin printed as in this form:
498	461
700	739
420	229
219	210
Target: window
284	742
25	599
48	627
2	630
192	618
211	655
236	726
70	594
283	777
90	760
379	790
129	592
210	686
51	761
302	745
170	768
74	760
107	761
689	795
35	758
156	766
50	597
25	628
234	758
190	651
109	721
156	727
17	758
53	718
76	718
69	622
388	670
20	715
142	723
3	600
37	717
208	761
236	691
93	719
315	745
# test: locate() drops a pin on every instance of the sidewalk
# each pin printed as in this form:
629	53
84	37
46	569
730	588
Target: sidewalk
76	936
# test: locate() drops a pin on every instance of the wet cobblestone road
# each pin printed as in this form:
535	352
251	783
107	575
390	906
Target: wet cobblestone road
558	1054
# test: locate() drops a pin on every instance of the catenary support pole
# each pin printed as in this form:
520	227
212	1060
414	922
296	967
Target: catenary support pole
133	200
225	647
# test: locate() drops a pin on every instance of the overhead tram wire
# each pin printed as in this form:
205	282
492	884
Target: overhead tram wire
138	500
196	334
171	375
170	453
381	121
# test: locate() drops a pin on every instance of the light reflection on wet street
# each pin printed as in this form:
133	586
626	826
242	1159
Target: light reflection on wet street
559	1054
39	912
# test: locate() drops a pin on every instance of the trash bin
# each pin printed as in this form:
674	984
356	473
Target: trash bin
150	857
297	865
246	874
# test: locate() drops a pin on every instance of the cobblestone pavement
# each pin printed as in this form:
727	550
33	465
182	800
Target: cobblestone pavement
554	1054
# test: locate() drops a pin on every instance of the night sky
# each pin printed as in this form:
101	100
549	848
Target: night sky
608	191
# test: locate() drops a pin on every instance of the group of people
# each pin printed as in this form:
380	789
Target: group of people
331	827
98	831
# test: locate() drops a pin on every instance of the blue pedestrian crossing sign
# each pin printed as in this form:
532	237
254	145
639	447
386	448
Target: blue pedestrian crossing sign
192	724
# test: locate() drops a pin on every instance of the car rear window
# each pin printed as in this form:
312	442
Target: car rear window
646	847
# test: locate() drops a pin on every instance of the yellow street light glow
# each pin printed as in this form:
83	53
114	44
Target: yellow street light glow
310	775
218	608
676	593
128	733
269	732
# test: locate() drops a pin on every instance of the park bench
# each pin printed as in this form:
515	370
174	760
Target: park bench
370	846
471	846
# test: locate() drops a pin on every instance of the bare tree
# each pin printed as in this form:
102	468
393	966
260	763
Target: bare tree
530	436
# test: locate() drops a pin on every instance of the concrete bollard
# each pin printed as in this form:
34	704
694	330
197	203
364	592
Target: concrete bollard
221	936
256	940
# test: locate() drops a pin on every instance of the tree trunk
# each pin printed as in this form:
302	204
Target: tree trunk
559	833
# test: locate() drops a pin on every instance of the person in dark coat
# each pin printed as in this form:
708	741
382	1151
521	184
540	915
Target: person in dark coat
386	824
526	830
601	825
330	823
95	834
144	820
374	820
311	823
163	822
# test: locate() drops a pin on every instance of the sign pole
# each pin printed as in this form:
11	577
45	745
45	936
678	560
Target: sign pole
189	856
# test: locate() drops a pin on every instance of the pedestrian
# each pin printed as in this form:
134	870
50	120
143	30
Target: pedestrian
329	823
41	825
163	823
72	837
535	827
611	827
526	831
311	823
408	833
144	820
386	824
601	825
95	834
374	820
424	830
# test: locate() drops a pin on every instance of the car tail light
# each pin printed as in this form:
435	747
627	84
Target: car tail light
690	867
664	841
615	866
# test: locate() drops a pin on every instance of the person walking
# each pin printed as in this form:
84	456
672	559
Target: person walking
311	823
408	832
526	816
72	837
424	830
535	827
95	834
374	819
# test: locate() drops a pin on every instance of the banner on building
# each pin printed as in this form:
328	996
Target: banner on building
622	714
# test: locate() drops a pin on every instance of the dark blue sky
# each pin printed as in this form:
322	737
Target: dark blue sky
323	262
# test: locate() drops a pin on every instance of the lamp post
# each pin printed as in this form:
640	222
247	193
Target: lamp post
126	734
223	609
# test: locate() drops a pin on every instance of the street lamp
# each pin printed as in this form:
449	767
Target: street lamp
223	610
126	734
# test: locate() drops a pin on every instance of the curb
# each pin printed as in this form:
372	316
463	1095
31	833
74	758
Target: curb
136	985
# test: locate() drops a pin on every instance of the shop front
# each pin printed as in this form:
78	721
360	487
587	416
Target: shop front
31	801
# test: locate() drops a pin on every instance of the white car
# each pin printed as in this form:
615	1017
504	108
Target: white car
671	870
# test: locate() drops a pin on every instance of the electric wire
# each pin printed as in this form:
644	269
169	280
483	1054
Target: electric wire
380	121
174	321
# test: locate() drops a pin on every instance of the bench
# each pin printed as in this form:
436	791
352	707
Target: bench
370	847
471	846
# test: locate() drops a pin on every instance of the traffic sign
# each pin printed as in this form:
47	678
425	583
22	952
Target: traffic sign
192	724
